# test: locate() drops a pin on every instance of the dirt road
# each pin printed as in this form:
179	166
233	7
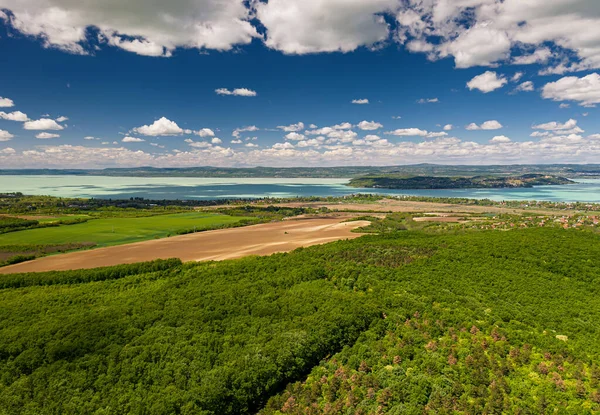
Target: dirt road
262	239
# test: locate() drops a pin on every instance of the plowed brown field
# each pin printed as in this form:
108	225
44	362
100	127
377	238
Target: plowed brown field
262	239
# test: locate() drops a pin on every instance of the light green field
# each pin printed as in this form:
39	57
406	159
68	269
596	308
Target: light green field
116	231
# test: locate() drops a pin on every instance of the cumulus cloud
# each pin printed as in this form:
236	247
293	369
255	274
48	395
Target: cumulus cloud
132	140
408	132
283	146
6	102
236	141
585	90
205	132
45	136
487	82
7	151
240	92
362	101
216	140
238	131
416	132
292	127
448	127
525	87
517	77
62	118
160	127
42	124
488	125
295	136
428	101
14	116
369	126
540	55
570	125
563	106
250	145
5	135
311	26
500	139
151	29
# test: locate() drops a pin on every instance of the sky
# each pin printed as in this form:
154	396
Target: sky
239	83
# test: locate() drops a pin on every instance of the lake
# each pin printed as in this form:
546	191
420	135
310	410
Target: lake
585	190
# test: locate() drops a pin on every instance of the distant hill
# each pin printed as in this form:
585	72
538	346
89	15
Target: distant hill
566	170
430	182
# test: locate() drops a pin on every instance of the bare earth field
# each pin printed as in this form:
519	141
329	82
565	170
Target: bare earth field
223	244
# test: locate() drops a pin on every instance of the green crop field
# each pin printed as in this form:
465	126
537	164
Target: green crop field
116	231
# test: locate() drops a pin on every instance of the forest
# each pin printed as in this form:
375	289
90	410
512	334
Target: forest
400	322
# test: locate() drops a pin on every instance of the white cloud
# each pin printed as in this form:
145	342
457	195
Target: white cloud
500	139
540	55
42	124
205	132
448	127
408	132
236	141
236	133
295	136
311	26
517	77
525	87
369	126
292	127
151	29
198	144
480	45
487	82
416	132
556	126
216	140
89	137
6	102
250	145
488	125
428	101
563	106
62	118
14	116
7	151
160	127
362	101
45	136
283	146
132	140
594	137
585	90
240	92
5	135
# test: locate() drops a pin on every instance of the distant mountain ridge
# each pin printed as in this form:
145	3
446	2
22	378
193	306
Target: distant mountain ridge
569	170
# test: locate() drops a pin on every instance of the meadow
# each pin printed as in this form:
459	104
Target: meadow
116	231
404	322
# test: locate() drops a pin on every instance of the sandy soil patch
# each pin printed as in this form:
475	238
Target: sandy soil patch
265	239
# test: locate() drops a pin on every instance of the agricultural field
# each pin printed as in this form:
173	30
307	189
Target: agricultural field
117	231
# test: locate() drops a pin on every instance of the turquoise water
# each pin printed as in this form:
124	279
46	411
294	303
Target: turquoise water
207	188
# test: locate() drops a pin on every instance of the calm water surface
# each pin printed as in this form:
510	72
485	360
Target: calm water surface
587	190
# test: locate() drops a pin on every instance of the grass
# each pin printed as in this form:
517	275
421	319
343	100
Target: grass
117	231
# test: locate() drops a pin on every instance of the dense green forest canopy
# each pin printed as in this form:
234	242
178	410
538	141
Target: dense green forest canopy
401	322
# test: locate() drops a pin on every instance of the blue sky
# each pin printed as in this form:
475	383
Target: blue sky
446	82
